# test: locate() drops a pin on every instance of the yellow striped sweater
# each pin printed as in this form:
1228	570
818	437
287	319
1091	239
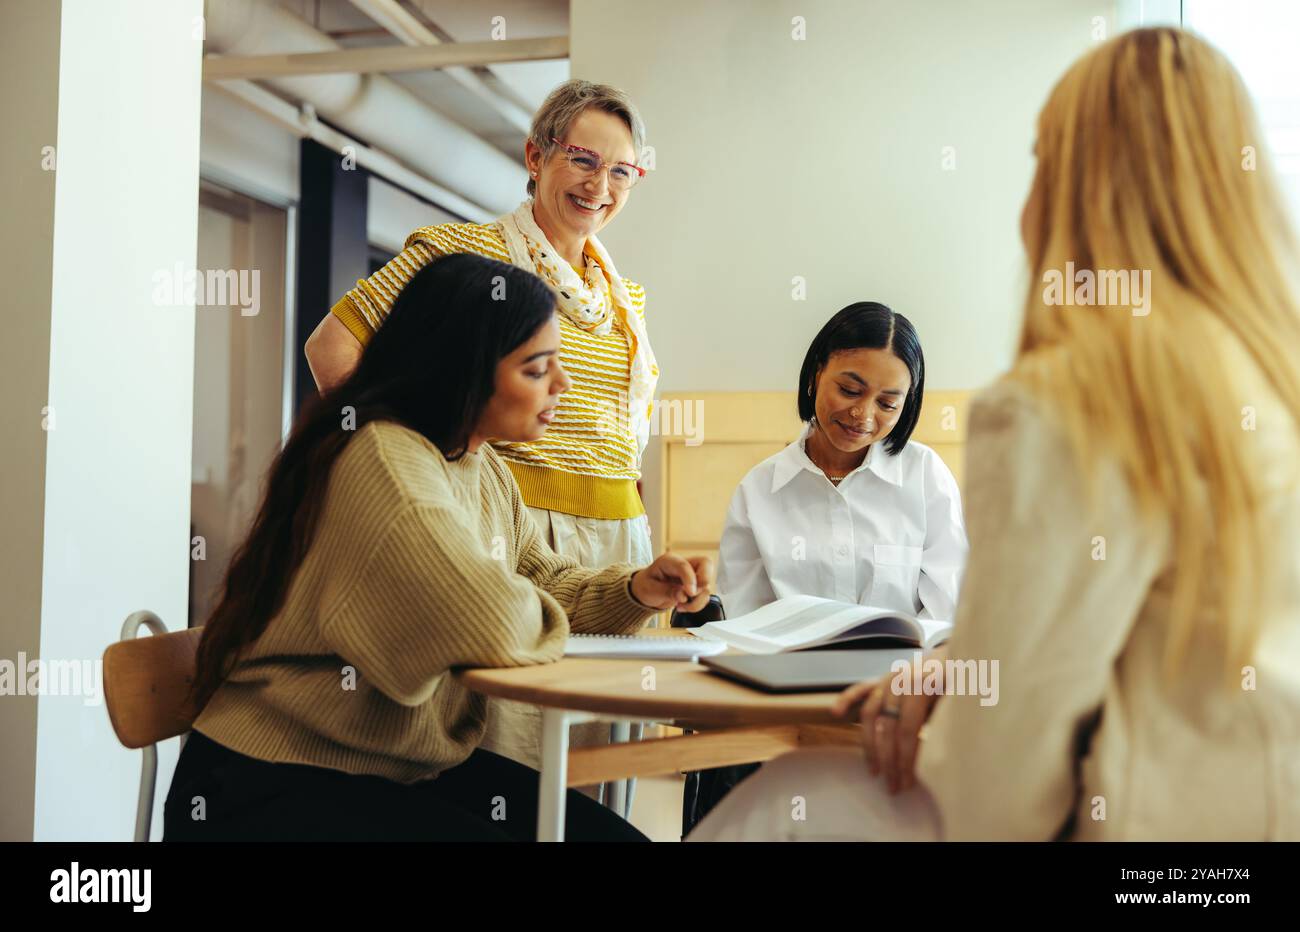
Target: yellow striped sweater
587	462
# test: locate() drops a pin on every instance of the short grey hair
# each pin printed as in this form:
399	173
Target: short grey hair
568	101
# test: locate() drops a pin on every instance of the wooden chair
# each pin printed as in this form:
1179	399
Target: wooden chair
146	688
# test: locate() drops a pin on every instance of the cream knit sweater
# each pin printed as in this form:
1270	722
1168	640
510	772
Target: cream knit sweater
418	566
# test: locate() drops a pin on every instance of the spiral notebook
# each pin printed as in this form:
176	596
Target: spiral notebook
640	647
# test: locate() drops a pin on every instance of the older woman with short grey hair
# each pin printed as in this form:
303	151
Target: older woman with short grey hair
583	156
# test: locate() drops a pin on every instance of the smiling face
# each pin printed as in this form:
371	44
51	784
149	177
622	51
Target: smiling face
569	200
859	397
528	386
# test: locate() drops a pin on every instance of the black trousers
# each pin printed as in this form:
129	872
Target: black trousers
221	795
704	789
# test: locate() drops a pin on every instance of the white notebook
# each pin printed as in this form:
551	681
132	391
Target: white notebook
638	647
799	622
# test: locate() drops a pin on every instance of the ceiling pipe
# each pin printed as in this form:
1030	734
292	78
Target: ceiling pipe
303	123
382	59
374	109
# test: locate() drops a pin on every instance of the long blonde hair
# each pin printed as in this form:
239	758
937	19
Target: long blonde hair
1143	165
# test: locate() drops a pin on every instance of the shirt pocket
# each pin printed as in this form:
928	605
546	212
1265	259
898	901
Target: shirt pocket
897	576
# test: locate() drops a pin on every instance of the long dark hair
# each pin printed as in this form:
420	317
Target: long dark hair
868	325
430	367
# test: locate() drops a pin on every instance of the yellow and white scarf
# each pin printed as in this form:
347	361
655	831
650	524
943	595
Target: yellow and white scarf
594	302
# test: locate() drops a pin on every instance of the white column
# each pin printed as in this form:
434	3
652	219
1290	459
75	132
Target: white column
29	84
112	494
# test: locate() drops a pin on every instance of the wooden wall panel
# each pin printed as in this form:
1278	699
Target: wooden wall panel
702	480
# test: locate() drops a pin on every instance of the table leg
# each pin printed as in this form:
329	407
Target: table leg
555	772
638	732
619	732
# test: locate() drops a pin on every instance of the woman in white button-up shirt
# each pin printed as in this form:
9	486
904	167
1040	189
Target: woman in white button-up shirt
853	510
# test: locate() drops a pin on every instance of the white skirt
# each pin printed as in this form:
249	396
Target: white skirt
821	794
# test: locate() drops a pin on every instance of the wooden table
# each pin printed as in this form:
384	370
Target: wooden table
730	723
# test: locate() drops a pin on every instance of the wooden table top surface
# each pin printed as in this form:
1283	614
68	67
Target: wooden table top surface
683	692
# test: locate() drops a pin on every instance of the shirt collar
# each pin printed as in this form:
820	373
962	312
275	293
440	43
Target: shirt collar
794	459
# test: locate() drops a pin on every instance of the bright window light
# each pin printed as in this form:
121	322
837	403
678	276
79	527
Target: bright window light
1262	39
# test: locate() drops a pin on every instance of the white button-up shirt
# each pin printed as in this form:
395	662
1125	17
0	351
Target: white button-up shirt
891	535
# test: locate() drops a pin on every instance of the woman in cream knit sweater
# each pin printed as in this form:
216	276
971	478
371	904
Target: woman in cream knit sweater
391	548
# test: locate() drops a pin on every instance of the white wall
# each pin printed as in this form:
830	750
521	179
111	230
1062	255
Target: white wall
822	158
117	480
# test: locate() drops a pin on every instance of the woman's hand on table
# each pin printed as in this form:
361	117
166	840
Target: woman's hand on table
891	724
674	581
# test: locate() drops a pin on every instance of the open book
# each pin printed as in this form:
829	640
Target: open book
799	622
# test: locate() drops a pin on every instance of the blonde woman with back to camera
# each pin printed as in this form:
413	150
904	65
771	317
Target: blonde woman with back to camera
1133	509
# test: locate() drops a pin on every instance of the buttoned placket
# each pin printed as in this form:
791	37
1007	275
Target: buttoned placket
842	550
843	553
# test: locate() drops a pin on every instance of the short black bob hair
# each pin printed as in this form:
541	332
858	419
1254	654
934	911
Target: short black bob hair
868	325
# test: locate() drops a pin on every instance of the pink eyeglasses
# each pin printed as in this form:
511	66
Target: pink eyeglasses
622	175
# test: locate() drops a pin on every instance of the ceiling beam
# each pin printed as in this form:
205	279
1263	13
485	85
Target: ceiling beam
410	31
399	22
384	59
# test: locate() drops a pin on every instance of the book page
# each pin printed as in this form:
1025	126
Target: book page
788	624
934	632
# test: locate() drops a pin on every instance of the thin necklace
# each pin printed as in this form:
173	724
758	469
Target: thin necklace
834	479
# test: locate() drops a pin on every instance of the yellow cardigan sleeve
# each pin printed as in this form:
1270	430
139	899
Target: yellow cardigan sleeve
351	317
364	308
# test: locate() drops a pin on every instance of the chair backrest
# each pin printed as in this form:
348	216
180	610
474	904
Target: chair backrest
146	686
712	611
